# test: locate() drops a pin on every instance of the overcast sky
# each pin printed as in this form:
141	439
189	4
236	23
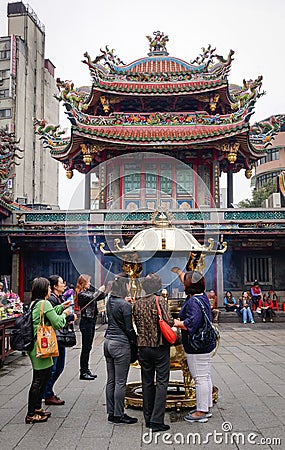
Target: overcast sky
254	29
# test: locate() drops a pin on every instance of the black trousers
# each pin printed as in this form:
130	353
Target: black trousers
155	364
37	389
267	313
87	328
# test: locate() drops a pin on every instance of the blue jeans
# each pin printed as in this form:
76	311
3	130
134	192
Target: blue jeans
56	370
247	315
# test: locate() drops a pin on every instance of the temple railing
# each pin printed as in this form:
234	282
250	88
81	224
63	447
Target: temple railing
102	221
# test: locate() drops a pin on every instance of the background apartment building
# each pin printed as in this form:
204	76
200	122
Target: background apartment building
271	165
27	88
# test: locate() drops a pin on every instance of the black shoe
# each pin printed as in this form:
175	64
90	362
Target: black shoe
111	418
91	374
147	424
86	376
125	419
158	426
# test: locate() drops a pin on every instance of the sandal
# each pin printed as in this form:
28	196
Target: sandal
36	418
42	412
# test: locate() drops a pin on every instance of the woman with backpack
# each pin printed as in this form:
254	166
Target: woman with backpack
198	360
56	317
57	286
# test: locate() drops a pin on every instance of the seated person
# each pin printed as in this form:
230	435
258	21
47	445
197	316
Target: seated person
266	306
230	302
272	296
245	307
213	299
256	294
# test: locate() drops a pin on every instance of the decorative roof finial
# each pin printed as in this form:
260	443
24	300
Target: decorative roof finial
157	45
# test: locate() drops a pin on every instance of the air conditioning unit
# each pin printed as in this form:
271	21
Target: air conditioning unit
22	200
274	200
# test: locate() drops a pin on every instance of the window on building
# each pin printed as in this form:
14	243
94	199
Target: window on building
150	178
62	268
4	93
4	73
5	113
272	155
132	178
184	179
165	179
258	268
4	54
262	179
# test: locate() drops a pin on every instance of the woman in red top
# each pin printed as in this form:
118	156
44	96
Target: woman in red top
266	306
256	294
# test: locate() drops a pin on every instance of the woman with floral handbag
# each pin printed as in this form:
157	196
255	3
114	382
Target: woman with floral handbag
56	317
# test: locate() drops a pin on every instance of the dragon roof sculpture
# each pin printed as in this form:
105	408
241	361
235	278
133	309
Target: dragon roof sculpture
9	153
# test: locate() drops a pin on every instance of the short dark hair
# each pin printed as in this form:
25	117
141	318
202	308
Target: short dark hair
39	289
194	282
53	279
151	284
119	286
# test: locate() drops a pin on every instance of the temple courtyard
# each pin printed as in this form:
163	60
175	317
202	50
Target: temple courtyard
248	369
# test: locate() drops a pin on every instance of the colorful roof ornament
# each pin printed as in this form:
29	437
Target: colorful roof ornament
9	152
157	44
159	100
262	133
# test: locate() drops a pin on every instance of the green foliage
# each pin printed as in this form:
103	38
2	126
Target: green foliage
258	195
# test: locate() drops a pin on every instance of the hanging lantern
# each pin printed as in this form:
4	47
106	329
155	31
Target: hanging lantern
87	159
69	173
231	149
213	102
232	157
248	173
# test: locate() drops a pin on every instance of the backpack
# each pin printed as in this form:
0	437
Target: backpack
22	336
206	335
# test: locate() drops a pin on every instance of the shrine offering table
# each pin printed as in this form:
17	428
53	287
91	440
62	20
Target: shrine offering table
5	327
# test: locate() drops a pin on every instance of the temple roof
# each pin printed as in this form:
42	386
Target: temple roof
159	100
157	64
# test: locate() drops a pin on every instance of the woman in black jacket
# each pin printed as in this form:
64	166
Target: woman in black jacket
117	350
87	302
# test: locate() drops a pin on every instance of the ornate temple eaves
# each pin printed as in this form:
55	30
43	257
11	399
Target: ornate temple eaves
174	87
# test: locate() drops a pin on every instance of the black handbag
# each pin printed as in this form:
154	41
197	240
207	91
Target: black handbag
206	335
66	336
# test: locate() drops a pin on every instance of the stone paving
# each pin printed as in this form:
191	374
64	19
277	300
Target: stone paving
249	370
